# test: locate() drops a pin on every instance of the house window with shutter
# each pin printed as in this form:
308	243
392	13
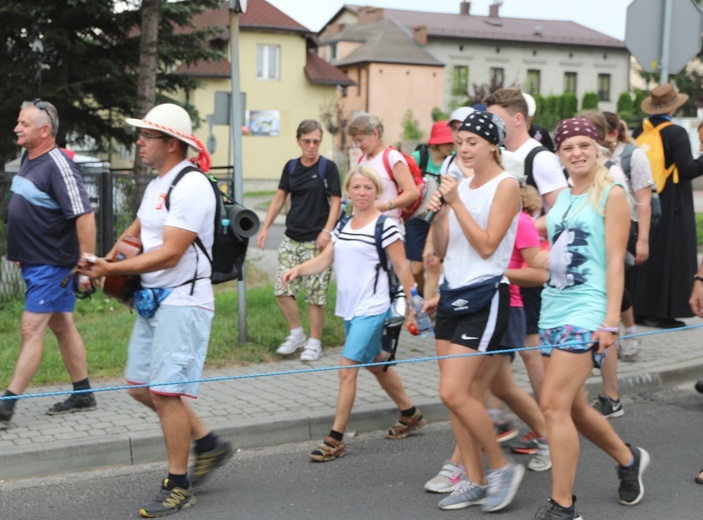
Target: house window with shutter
604	87
460	80
532	85
570	82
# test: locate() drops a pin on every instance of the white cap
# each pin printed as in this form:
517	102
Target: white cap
460	114
531	104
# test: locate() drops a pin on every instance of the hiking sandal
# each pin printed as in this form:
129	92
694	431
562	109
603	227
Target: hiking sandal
330	449
406	425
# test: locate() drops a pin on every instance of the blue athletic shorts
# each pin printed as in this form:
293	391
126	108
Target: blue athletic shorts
169	347
416	231
44	293
364	335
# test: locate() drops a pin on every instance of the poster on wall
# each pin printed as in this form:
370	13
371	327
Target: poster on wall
264	122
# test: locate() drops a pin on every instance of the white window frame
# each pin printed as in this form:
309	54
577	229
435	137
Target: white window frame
268	62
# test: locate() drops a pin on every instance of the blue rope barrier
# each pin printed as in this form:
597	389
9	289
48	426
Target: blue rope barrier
333	368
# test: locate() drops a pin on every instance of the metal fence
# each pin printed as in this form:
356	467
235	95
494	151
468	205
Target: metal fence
115	196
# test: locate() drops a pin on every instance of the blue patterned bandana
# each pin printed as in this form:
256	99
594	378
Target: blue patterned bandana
485	125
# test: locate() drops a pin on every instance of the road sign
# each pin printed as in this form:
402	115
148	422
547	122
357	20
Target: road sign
646	28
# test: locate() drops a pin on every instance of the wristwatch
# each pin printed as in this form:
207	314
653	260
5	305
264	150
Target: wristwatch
697	278
391	205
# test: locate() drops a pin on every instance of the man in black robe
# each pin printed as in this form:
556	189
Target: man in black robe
661	287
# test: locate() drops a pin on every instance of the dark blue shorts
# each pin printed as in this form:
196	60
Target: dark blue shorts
416	231
532	300
44	293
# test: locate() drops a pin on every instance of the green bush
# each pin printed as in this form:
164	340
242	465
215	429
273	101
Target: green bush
569	105
411	127
699	229
590	101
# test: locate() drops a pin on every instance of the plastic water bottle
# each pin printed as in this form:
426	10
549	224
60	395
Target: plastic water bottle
225	225
424	324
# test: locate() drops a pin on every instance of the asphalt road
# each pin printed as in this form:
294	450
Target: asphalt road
382	479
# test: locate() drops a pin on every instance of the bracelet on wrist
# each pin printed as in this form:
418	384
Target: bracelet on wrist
697	278
327	231
612	330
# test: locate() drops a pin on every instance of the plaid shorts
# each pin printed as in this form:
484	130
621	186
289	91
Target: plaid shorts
292	253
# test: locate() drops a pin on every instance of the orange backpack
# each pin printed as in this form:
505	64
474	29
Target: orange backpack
650	141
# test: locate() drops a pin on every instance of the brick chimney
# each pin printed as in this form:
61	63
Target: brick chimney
493	12
420	34
368	14
465	8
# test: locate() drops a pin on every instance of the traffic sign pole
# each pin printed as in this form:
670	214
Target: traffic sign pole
666	43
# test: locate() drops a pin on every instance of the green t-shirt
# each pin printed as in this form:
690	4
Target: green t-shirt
431	167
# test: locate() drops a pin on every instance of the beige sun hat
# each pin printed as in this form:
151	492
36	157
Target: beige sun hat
531	104
171	120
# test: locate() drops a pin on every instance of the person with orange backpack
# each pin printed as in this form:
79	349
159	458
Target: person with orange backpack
661	287
400	190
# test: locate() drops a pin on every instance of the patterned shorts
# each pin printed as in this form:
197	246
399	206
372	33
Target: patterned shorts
292	253
578	339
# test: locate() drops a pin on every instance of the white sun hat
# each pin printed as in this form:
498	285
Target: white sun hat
173	120
460	114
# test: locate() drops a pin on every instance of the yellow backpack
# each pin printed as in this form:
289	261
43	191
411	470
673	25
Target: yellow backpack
650	141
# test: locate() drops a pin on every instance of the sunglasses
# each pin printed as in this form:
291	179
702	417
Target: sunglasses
41	105
148	137
310	141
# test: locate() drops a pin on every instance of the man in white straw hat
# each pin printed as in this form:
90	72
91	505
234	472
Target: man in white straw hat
661	287
170	337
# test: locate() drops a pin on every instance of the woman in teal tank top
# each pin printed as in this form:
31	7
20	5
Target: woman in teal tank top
588	229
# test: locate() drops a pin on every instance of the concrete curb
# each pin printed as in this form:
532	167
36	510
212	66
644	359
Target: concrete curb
134	448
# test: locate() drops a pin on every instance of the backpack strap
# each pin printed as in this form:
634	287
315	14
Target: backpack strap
290	166
626	159
529	162
424	159
387	163
322	167
609	164
382	257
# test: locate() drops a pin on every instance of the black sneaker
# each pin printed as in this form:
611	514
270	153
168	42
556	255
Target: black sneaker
608	408
631	489
74	403
553	511
5	415
505	431
170	499
206	463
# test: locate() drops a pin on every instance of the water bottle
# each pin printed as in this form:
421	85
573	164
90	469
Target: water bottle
424	325
225	222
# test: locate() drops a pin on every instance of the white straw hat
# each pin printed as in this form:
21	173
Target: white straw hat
171	120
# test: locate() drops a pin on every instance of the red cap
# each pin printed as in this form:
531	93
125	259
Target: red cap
440	134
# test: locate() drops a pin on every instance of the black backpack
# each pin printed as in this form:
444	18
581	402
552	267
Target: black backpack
229	247
529	162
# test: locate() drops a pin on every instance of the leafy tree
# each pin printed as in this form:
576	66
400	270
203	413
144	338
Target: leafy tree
439	115
411	127
88	62
569	105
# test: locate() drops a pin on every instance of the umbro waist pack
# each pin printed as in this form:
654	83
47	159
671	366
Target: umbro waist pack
467	299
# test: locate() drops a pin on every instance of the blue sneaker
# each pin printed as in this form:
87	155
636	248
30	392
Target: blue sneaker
466	494
502	486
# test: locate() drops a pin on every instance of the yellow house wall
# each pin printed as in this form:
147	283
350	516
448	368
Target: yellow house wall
293	95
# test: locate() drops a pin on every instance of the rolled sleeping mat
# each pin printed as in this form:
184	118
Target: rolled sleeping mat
244	222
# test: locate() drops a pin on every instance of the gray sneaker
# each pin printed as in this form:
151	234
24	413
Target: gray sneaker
502	486
466	494
542	461
629	348
631	489
75	403
553	511
608	408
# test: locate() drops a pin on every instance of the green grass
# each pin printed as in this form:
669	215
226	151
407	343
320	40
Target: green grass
699	229
262	193
106	325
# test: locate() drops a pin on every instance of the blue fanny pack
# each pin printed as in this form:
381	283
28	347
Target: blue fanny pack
467	299
148	300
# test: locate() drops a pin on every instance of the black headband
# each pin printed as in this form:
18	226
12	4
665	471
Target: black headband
485	125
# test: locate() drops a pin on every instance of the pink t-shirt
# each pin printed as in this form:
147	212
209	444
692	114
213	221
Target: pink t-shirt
526	236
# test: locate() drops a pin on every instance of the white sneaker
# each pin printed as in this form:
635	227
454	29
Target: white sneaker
542	461
629	348
311	353
291	344
448	479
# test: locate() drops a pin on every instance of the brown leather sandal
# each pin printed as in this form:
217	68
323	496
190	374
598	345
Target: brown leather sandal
330	449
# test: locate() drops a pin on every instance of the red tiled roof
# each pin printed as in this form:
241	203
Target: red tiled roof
207	69
260	14
320	72
474	27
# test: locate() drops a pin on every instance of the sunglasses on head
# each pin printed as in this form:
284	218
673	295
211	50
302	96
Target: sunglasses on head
41	105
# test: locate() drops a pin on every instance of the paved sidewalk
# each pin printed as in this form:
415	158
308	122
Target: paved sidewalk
278	409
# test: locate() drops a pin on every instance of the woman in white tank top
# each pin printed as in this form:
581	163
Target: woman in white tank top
474	232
